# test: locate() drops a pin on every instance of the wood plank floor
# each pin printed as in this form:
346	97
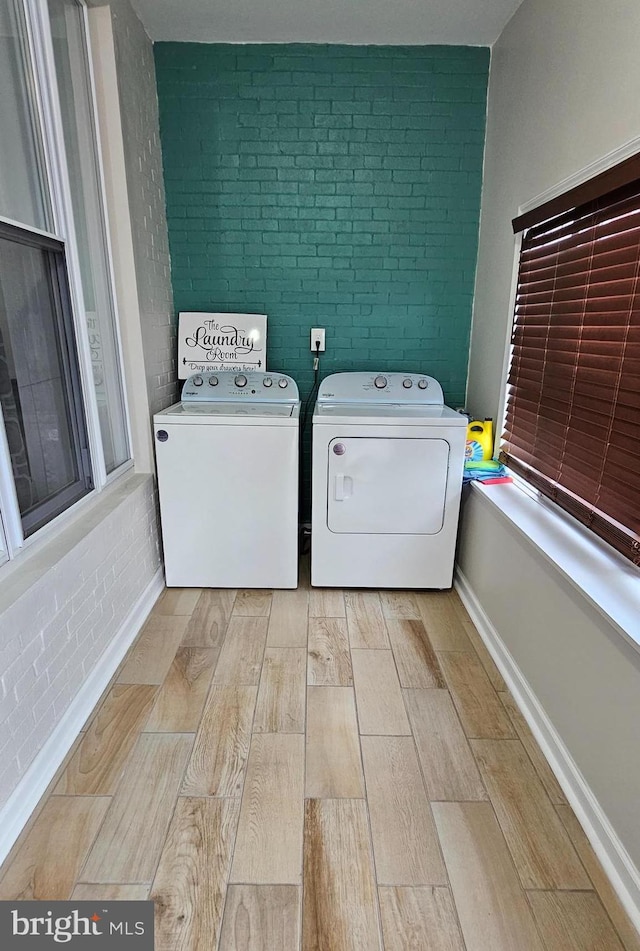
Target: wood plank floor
318	770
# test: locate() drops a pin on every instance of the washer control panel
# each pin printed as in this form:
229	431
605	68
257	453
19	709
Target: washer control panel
229	386
380	388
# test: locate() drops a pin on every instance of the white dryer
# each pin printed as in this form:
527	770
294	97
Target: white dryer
387	464
227	458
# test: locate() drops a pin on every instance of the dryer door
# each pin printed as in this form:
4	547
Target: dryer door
391	486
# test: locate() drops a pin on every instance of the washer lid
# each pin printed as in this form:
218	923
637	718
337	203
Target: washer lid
234	414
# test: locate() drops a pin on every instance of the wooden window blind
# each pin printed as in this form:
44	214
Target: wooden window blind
573	400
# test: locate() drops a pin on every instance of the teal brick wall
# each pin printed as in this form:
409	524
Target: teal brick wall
329	186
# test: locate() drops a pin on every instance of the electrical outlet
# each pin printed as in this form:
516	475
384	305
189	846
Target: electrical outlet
317	337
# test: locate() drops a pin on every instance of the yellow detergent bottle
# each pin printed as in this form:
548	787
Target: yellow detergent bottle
479	440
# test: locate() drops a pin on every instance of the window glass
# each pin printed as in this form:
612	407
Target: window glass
67	27
21	169
43	420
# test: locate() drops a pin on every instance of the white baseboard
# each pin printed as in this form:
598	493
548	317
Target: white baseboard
32	786
614	858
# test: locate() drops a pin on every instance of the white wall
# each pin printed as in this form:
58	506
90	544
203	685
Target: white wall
53	631
70	607
141	130
67	617
563	93
582	672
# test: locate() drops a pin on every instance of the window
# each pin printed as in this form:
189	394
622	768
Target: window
573	392
39	386
64	425
72	71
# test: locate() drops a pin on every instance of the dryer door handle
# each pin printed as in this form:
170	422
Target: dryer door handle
343	487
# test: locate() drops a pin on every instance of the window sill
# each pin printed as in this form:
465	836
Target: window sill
609	582
32	563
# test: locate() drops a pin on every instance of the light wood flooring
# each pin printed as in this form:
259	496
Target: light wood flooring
318	770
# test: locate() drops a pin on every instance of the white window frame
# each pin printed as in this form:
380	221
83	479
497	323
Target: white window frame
39	47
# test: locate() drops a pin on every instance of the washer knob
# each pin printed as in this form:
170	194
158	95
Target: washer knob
267	381
213	381
197	381
240	380
283	384
380	382
407	383
423	384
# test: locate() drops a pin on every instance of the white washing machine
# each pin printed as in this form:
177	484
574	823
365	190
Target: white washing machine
227	458
388	458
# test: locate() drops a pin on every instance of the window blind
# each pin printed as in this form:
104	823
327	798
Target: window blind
573	399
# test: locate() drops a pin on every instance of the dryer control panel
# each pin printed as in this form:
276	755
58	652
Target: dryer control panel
229	386
404	388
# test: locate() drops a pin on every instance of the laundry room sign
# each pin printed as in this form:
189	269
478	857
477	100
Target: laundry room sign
221	342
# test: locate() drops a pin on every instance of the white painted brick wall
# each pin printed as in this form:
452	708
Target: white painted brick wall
54	634
145	182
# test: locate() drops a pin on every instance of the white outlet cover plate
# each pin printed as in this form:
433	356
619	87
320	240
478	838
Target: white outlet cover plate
317	333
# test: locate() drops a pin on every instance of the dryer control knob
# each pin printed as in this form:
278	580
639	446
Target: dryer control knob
407	383
240	380
283	383
197	381
380	382
267	381
423	384
213	381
